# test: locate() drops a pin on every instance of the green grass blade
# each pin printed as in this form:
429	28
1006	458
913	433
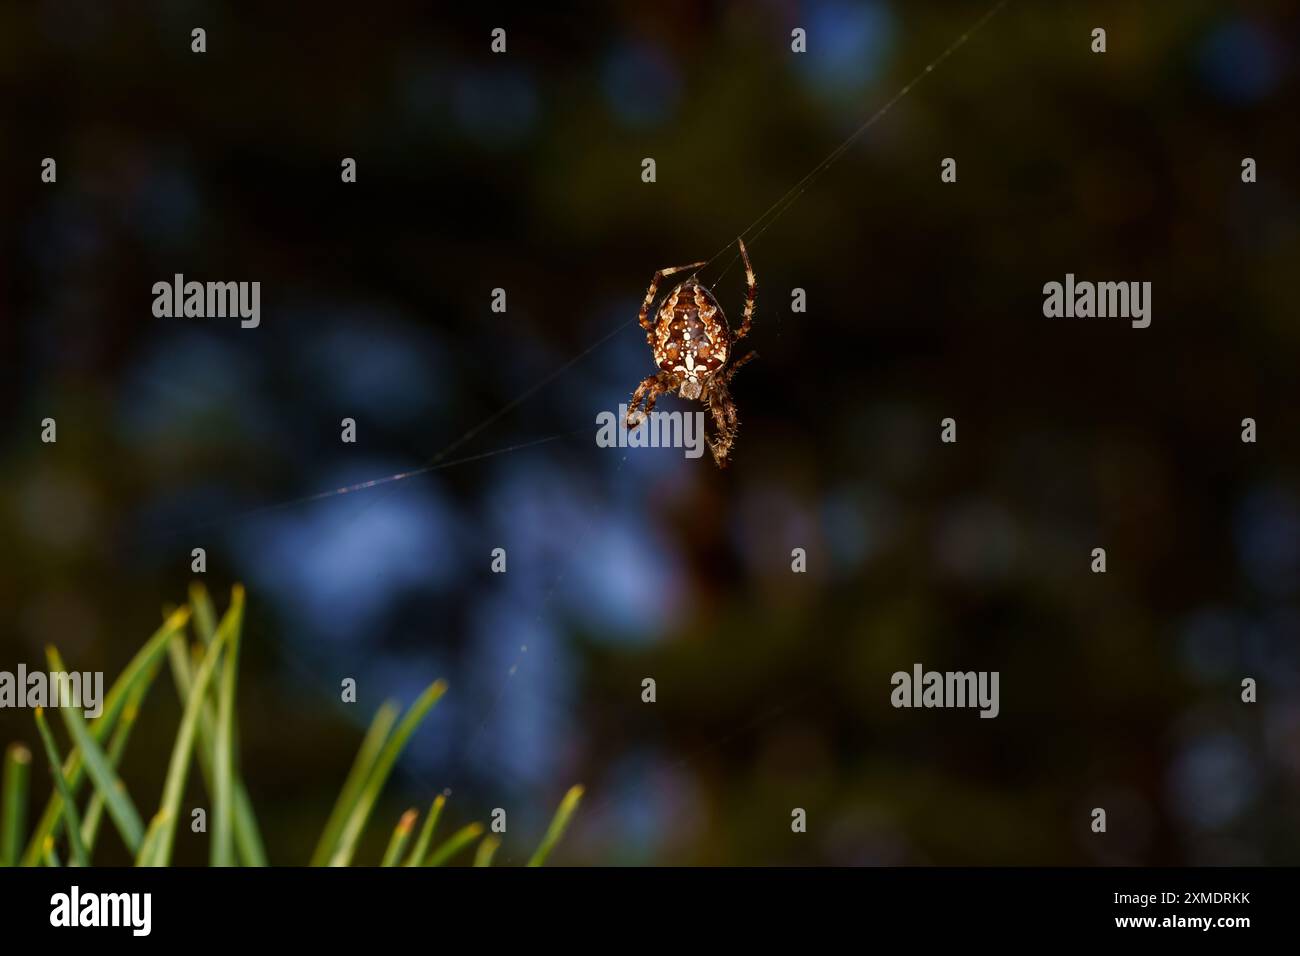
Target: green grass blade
13	802
380	726
455	843
71	823
114	701
106	781
116	747
392	749
248	840
48	856
486	850
183	751
401	836
223	771
559	823
421	848
205	618
150	845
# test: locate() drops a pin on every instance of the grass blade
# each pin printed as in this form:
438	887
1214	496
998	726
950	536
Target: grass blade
392	749
380	726
248	841
149	847
71	823
116	747
401	836
106	781
486	850
13	802
223	771
559	823
205	618
426	832
48	856
455	843
247	838
114	701
161	849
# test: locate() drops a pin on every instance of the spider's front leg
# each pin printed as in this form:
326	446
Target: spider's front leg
650	390
644	318
751	289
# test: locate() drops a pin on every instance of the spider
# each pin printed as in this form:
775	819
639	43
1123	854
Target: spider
692	343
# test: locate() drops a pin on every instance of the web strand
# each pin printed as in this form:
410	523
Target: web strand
437	463
793	194
385	480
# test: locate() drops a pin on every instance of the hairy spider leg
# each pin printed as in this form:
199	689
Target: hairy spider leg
726	375
725	424
644	318
751	289
650	390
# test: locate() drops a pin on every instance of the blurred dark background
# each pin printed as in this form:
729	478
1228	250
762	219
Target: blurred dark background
522	171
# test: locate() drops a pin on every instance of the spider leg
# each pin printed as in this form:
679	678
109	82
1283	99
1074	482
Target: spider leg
721	447
644	318
724	421
751	288
732	369
649	390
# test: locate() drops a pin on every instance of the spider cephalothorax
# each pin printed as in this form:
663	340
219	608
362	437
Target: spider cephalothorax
692	344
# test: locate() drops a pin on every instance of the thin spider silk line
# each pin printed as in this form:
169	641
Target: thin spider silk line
527	393
375	482
793	194
436	462
433	464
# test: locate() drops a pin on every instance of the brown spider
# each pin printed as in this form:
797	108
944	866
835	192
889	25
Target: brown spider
692	342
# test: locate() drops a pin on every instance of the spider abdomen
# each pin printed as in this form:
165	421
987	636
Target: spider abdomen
691	336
